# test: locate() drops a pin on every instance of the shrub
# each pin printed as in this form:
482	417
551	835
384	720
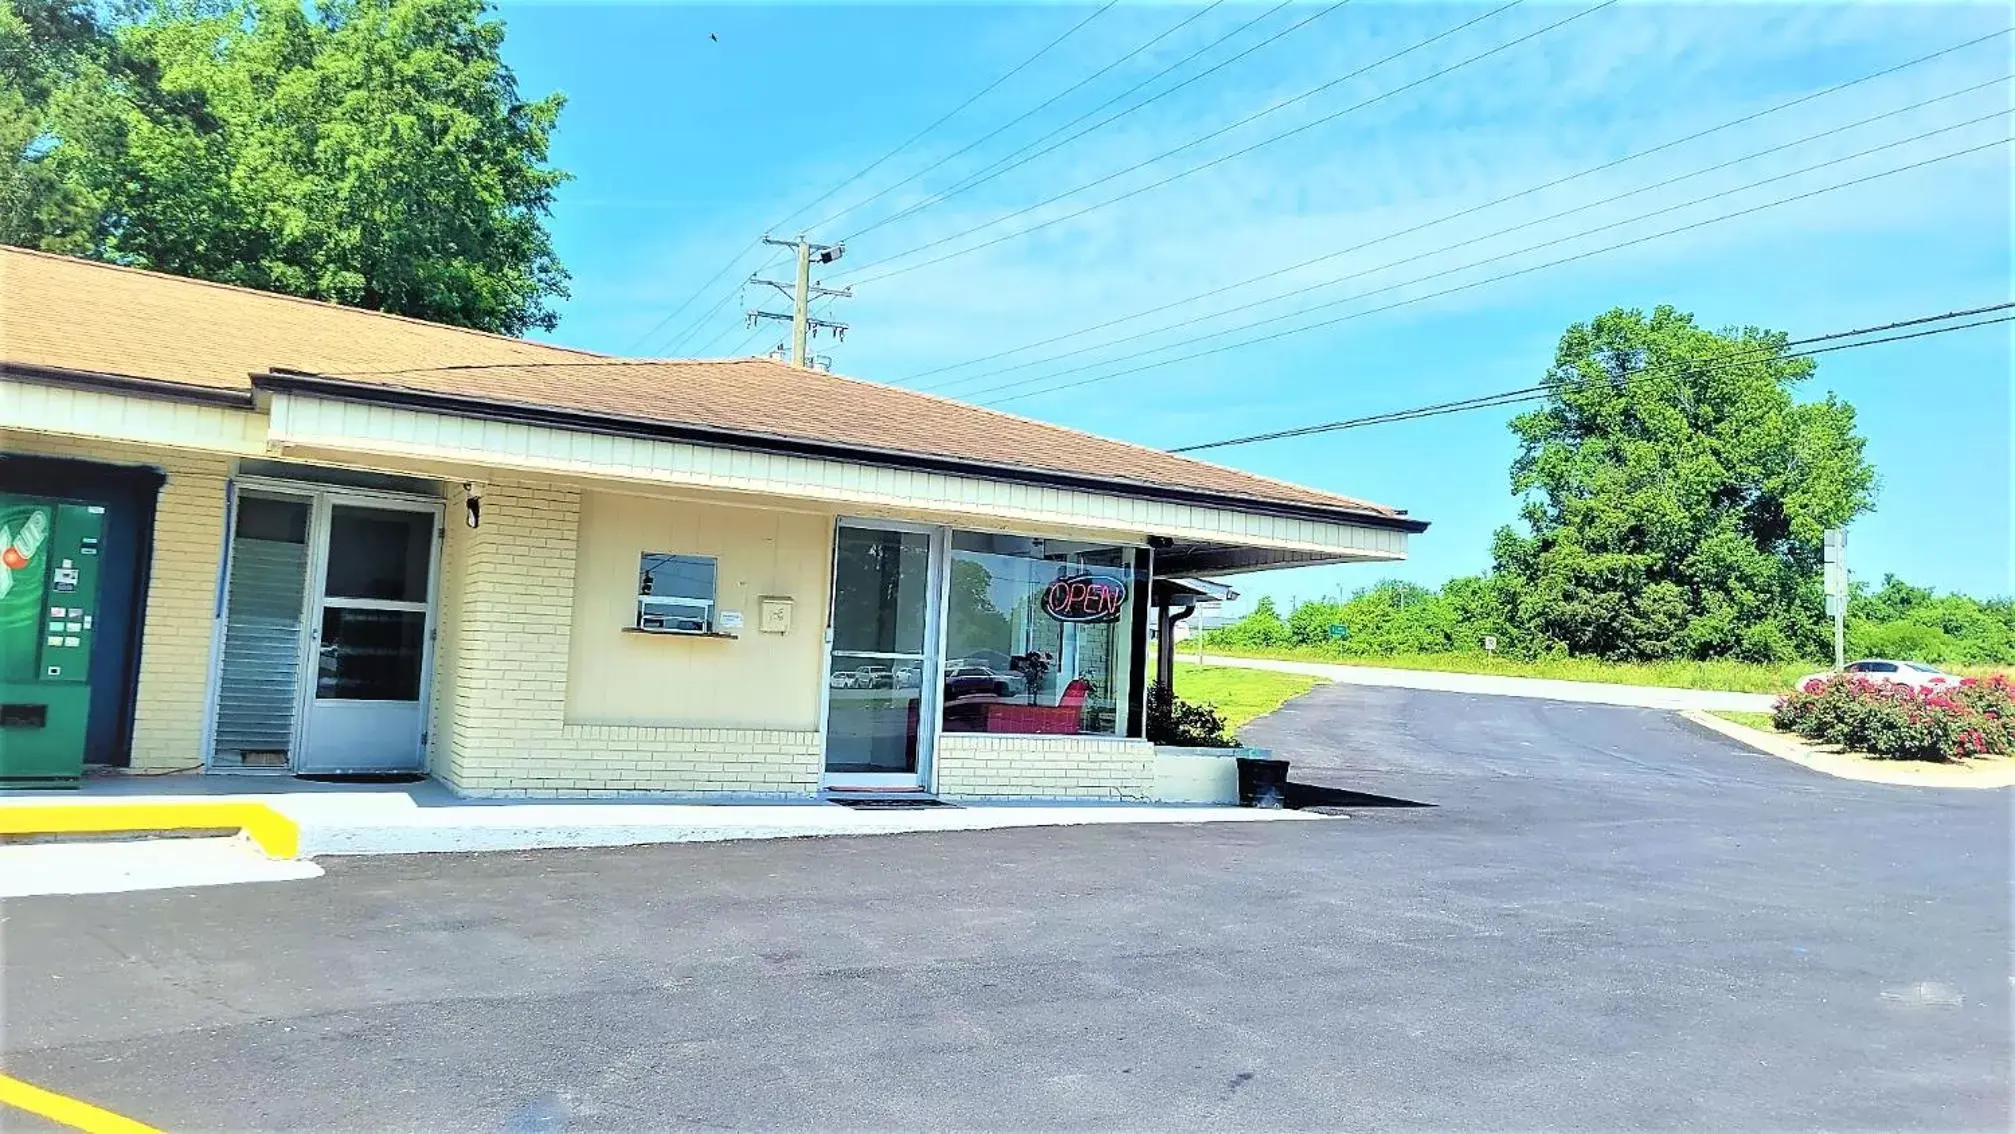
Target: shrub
1179	723
1897	722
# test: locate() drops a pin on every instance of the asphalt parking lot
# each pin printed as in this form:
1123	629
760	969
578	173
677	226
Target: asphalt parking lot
1603	919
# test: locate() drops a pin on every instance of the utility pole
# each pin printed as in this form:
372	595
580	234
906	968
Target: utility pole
1837	591
803	326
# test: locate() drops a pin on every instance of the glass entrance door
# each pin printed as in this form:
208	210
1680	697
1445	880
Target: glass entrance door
370	633
881	662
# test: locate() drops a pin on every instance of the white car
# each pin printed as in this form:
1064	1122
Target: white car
1883	671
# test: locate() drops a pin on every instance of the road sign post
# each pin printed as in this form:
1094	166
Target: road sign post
1836	591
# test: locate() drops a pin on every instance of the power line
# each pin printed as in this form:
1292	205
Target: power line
1761	353
1486	237
660	325
1014	159
1023	116
1695	136
824	304
860	173
1491	279
1219	160
692	328
742	348
723	333
1192	143
949	115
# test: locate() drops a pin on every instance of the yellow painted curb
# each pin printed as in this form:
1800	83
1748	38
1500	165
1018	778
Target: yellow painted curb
276	834
74	1113
1897	773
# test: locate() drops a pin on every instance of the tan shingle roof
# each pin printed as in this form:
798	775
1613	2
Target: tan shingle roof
79	315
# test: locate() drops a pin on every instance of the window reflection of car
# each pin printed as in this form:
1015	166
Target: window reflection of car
874	677
984	659
842	680
979	681
909	676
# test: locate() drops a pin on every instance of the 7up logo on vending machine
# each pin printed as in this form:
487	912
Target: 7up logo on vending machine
18	548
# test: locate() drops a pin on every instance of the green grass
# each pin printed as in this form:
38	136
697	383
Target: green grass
1737	677
1239	695
1752	720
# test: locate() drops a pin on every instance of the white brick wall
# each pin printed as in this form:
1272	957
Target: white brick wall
505	633
986	766
181	592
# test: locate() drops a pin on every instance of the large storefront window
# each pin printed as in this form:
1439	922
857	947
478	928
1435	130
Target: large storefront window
1038	636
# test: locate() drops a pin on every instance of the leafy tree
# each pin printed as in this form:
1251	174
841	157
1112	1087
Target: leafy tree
1675	494
1897	620
1261	629
1481	608
369	152
973	620
1387	618
51	53
1309	622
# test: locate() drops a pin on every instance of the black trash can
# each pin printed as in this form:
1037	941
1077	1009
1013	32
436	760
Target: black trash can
1262	782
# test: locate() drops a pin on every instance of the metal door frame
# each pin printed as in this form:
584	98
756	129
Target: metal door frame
930	680
320	499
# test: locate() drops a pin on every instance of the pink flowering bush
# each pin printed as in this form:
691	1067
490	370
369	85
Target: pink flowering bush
1972	718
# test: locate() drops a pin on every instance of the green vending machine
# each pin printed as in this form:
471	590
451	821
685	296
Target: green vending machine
48	617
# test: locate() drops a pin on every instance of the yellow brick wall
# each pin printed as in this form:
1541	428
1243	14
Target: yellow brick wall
498	722
754	681
181	592
509	635
986	766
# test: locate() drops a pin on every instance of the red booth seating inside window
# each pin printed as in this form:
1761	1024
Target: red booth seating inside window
1065	718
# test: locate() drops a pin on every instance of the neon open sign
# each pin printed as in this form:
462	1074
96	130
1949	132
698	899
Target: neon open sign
1085	598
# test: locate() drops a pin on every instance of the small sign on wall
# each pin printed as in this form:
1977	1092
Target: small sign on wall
729	621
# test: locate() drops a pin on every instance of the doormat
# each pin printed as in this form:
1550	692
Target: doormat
916	804
365	778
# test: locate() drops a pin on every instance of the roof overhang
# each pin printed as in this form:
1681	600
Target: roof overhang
616	425
307	417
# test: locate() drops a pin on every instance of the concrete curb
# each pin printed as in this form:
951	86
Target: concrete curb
273	832
311	824
1840	765
372	828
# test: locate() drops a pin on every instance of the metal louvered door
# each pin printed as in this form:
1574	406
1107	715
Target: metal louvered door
265	615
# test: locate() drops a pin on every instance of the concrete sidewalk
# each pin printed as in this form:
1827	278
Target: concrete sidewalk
151	864
425	817
1490	685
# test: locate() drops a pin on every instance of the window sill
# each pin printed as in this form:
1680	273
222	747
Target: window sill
679	633
1037	735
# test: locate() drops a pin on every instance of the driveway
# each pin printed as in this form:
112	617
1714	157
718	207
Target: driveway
1605	920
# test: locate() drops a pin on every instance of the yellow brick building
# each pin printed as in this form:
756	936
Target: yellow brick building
342	543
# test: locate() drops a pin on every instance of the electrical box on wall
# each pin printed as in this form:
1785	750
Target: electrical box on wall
773	614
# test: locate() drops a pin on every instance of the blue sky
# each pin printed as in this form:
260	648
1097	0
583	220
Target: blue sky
685	148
